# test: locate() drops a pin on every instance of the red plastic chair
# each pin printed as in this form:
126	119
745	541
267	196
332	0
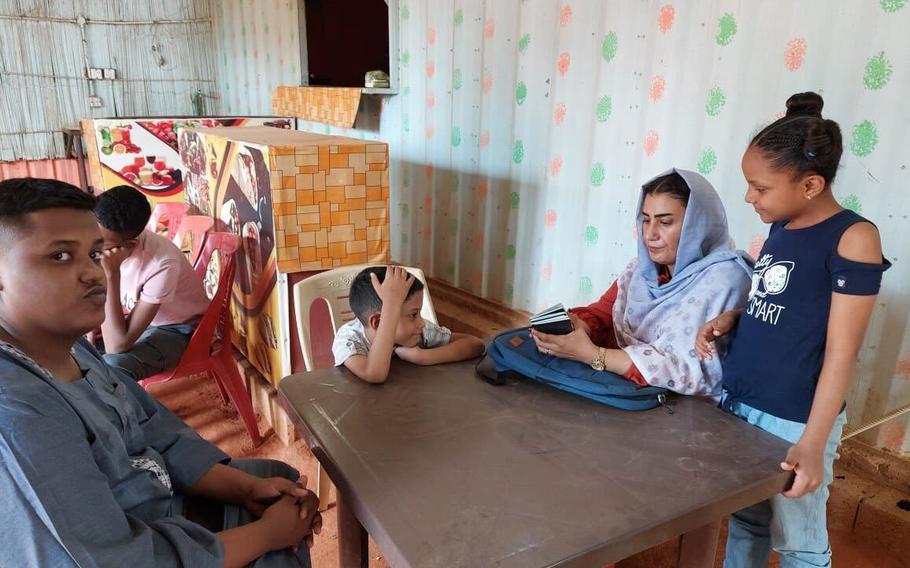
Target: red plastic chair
166	218
210	349
190	236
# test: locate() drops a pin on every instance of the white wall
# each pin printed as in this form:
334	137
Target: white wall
257	48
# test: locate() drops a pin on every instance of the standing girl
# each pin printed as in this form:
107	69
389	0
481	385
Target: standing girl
795	344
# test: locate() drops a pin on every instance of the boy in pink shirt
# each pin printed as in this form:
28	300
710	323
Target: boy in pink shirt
154	297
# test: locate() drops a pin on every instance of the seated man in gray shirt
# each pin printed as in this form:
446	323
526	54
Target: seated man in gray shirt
93	470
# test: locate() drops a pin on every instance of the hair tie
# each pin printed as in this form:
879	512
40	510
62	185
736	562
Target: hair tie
810	154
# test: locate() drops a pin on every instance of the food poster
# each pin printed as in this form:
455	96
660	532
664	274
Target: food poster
143	152
230	182
202	159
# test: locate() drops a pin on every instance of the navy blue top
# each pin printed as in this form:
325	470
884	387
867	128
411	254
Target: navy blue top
776	352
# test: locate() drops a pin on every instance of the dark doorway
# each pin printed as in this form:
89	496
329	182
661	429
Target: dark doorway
345	39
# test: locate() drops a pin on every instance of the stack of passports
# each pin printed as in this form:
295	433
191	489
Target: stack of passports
553	320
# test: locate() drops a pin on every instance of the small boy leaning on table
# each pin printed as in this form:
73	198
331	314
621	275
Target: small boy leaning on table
386	302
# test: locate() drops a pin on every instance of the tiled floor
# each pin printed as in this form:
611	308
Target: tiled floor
859	536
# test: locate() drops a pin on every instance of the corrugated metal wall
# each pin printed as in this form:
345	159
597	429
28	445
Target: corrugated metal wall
524	128
42	85
64	170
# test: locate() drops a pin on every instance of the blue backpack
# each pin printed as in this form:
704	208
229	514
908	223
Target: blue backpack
514	353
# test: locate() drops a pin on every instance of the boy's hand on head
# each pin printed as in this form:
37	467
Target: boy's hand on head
112	258
717	327
394	287
808	464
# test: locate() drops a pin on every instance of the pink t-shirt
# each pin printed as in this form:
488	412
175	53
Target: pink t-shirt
158	273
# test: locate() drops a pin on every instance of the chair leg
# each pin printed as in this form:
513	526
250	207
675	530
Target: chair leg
224	394
323	485
232	382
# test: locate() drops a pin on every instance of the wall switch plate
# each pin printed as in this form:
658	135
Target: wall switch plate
110	73
94	102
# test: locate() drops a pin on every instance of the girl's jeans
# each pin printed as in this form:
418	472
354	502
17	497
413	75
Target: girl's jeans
795	528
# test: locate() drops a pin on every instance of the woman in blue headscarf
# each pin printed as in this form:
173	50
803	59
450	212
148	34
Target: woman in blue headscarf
685	274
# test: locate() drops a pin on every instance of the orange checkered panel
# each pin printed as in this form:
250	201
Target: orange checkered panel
331	205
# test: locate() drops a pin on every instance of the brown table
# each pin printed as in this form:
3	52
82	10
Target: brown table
446	470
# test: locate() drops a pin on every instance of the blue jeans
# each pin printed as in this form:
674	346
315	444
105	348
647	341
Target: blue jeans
795	528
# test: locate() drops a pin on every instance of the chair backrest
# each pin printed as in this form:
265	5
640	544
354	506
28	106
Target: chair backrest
190	235
217	266
333	286
216	244
166	217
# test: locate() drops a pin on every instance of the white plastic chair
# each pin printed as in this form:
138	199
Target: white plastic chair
334	286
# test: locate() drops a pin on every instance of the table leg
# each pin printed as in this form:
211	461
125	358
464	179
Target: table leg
698	547
353	543
80	161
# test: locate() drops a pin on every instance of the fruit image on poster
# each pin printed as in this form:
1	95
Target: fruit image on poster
140	155
143	152
229	181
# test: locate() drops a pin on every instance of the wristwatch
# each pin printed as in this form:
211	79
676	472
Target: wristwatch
598	364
